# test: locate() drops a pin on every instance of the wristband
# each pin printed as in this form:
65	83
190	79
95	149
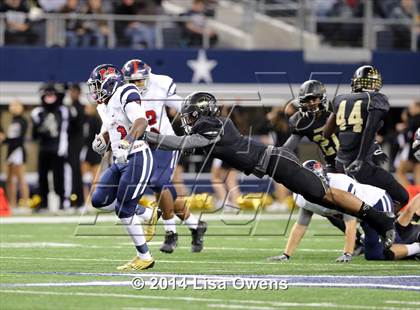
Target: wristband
129	138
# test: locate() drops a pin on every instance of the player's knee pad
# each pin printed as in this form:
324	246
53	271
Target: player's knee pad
124	211
98	200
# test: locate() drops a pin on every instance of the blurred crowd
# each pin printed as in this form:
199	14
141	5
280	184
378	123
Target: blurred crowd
389	36
26	26
64	132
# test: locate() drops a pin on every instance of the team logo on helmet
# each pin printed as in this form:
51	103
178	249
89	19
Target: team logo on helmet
103	82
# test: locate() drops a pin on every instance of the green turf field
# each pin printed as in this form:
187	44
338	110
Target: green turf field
68	266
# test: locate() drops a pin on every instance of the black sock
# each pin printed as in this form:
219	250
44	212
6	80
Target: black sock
377	220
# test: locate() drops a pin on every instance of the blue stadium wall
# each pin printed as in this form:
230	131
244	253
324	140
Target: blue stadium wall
233	66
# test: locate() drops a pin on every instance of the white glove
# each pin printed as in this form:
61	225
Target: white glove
99	145
345	258
281	258
121	153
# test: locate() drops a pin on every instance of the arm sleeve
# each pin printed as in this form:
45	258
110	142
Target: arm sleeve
304	217
347	217
134	110
169	142
372	125
36	121
292	142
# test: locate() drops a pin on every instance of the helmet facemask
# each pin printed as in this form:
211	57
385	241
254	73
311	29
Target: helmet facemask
366	78
196	105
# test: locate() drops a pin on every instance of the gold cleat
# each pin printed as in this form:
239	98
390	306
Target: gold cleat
150	227
137	264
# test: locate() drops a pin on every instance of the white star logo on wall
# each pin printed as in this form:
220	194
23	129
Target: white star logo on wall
202	68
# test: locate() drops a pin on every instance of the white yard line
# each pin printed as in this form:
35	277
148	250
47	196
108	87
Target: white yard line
204	262
25	245
415	303
107	218
220	276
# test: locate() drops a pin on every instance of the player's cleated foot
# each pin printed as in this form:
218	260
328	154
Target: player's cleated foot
388	238
279	258
170	242
150	226
197	237
137	264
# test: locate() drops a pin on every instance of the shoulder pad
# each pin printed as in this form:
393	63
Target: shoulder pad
129	93
165	83
378	101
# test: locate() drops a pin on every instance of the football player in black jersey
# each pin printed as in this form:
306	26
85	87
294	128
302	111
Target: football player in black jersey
308	121
219	138
358	116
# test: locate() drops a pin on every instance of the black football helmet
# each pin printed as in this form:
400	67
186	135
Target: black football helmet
366	78
310	90
318	169
196	105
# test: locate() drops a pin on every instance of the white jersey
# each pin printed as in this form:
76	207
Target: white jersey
118	115
367	193
160	93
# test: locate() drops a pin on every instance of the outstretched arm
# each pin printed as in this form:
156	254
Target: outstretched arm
292	142
169	142
298	231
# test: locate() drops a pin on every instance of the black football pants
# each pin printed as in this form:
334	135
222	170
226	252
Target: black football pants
376	176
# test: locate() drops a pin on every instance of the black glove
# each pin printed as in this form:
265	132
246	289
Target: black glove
354	167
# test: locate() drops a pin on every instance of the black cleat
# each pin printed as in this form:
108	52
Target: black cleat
388	238
197	237
170	243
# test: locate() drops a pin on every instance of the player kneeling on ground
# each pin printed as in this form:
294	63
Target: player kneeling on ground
123	183
218	137
374	196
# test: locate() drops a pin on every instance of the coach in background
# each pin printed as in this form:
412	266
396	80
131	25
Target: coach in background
76	141
50	127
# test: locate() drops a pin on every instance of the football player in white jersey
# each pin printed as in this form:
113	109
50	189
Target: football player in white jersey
123	183
374	196
158	92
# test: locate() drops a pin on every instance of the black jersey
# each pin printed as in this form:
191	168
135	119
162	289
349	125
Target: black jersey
233	148
50	126
314	132
16	134
352	112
